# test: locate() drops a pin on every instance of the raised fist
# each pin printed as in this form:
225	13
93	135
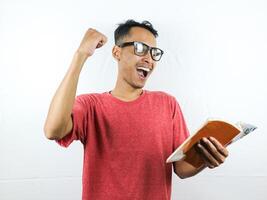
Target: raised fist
91	40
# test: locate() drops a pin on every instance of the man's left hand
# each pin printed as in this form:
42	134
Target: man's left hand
212	152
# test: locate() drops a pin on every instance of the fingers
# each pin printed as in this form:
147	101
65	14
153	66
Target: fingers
92	39
209	160
101	42
219	146
212	152
100	38
212	149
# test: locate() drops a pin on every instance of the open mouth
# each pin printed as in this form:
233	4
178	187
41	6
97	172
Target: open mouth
143	72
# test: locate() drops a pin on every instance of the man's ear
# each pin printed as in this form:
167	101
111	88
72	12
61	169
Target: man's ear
116	52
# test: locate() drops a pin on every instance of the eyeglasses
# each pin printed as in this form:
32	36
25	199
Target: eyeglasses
142	49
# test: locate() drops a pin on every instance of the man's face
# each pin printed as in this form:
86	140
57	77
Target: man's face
134	70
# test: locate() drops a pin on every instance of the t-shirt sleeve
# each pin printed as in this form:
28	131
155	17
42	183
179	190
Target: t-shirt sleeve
180	131
79	115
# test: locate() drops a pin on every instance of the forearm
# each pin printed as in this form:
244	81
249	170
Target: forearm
59	114
185	170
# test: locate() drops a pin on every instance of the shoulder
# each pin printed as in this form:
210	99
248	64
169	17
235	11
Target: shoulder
90	98
162	98
161	95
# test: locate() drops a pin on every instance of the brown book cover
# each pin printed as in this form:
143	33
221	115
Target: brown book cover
223	131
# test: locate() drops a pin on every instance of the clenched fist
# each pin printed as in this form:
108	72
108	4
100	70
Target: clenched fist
91	40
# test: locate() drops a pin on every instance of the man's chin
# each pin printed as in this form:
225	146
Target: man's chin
138	85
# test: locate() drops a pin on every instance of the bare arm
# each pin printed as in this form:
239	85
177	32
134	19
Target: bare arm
59	122
185	170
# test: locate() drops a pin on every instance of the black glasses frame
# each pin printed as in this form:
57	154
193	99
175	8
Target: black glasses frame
150	49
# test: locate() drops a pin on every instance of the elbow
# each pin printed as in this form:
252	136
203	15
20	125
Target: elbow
51	134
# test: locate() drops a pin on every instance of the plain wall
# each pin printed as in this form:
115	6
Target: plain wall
214	64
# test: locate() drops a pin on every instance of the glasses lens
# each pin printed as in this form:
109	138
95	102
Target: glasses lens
140	48
156	54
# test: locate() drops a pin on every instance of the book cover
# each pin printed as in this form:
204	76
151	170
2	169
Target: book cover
225	132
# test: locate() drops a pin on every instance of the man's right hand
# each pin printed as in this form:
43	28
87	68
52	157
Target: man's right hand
91	41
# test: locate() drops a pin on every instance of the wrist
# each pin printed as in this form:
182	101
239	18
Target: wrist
77	62
80	56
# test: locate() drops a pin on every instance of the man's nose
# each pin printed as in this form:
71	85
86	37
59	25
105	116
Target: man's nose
147	58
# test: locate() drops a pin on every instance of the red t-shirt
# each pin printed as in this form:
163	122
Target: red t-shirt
126	144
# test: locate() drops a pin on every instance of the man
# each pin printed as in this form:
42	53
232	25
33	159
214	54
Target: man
129	132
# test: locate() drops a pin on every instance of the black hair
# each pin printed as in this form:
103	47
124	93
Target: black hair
124	28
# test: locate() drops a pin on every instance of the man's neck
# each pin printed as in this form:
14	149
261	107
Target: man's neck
126	94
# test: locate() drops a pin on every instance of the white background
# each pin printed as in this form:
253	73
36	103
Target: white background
214	64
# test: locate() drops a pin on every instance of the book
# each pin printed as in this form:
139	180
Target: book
225	132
